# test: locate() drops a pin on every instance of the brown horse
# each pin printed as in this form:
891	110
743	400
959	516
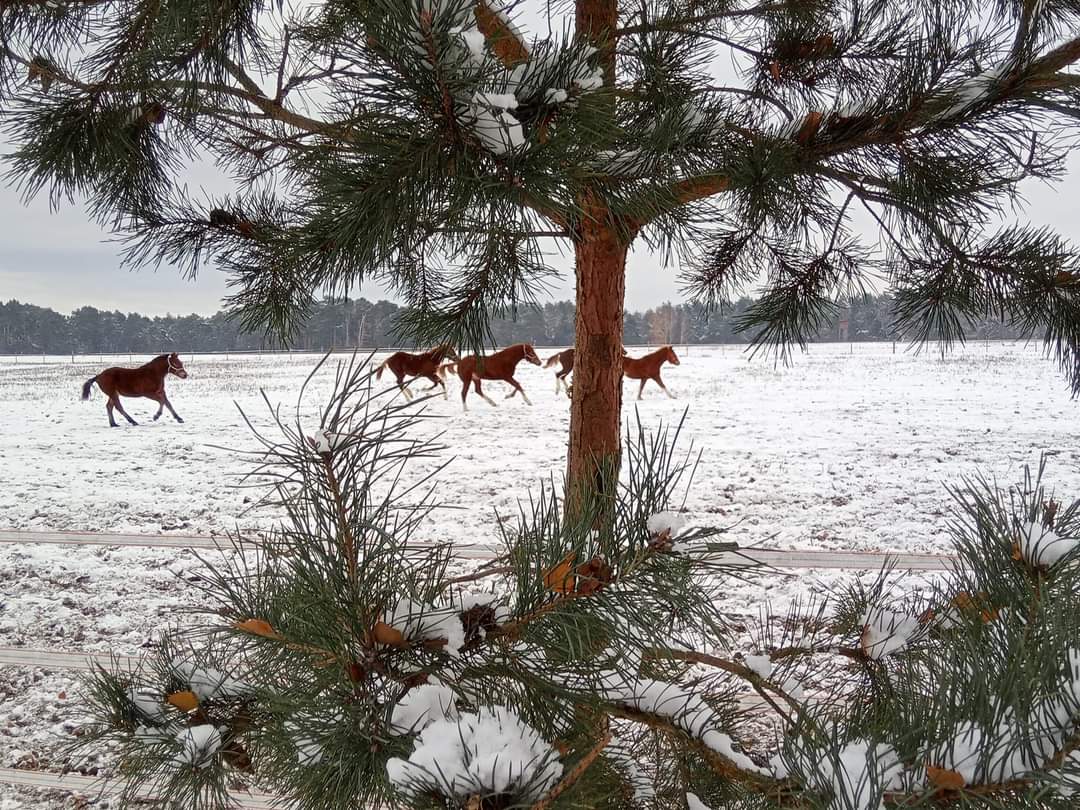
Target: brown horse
648	367
424	365
148	380
565	359
498	366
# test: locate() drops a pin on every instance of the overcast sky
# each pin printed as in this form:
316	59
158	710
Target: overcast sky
63	260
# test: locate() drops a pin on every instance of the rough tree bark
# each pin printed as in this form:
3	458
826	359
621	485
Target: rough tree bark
595	429
600	248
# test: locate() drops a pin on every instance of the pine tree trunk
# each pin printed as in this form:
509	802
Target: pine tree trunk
595	427
600	265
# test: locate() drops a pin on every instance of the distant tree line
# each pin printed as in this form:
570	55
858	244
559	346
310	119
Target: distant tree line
28	329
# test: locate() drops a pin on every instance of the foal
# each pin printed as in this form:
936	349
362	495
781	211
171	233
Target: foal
648	368
418	365
565	359
499	366
147	380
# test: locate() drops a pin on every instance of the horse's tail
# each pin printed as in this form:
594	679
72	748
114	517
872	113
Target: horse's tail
378	371
553	360
87	386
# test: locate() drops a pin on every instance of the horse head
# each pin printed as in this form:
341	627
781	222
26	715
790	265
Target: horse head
447	352
176	367
670	356
529	353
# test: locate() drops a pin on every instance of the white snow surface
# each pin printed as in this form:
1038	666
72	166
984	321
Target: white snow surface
694	803
845	449
490	752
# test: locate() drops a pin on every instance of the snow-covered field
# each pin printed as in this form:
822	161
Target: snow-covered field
847	448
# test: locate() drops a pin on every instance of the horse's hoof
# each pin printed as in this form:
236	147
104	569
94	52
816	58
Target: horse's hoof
178	419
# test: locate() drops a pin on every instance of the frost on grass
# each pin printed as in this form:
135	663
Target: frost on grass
491	752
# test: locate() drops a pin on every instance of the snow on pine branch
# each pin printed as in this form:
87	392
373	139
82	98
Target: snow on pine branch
422	706
686	710
886	632
491	752
198	745
856	776
1042	547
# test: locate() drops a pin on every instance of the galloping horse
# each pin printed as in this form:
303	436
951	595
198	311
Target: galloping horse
418	365
648	367
498	366
148	380
565	359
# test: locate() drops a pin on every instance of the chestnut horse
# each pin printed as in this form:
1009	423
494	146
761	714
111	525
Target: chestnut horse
148	380
498	366
565	359
424	365
648	367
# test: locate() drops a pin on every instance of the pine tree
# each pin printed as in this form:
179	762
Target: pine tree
340	664
433	145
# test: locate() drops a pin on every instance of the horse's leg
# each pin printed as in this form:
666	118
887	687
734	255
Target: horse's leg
642	387
480	391
172	410
161	405
464	392
123	413
517	387
404	389
661	384
109	410
435	383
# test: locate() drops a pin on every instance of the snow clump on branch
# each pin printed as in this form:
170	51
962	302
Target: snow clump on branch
492	752
1042	547
422	706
